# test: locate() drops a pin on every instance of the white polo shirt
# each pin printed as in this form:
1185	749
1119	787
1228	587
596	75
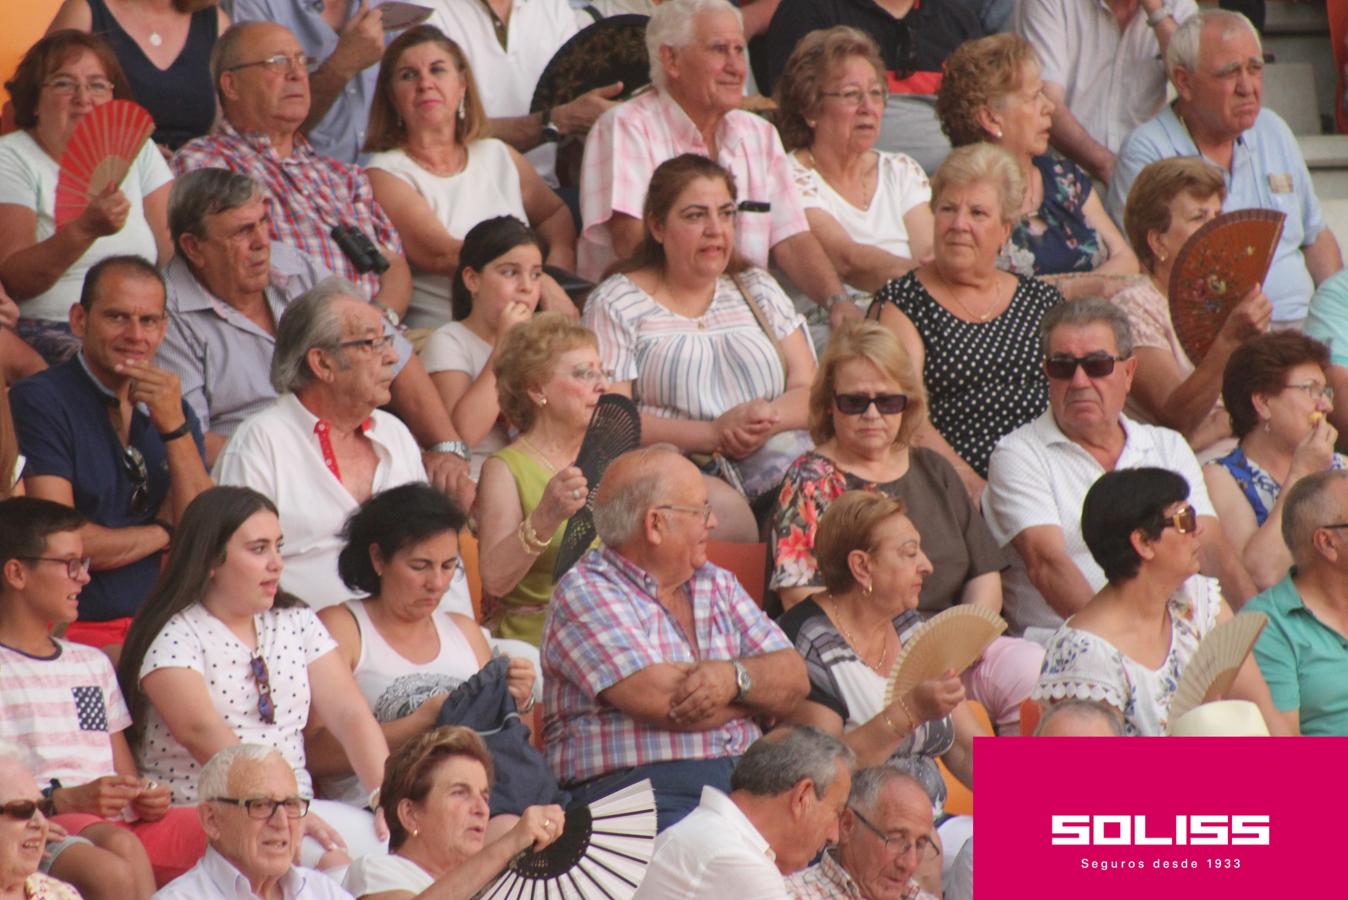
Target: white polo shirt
1039	476
713	853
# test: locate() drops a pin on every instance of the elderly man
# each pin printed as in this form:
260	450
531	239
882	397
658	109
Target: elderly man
251	811
698	69
262	80
108	433
1303	651
654	660
324	446
1216	63
228	286
1040	472
1102	69
786	795
885	835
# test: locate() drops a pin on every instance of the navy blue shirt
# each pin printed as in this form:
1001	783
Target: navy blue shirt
61	416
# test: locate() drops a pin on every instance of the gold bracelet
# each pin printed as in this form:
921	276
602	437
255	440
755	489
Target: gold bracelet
912	719
533	545
884	715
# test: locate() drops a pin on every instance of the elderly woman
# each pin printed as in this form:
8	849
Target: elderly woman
437	175
873	567
1130	644
548	381
865	406
1170	200
435	798
406	654
1278	397
63	77
993	91
217	655
23	834
496	287
868	208
971	328
712	352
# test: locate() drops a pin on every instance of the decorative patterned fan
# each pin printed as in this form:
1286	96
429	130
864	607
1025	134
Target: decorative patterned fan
1215	268
1214	665
952	639
612	49
603	851
614	429
100	152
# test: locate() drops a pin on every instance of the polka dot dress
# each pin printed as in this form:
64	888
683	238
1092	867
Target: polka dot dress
984	379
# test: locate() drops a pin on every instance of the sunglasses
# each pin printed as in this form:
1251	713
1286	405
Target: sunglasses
1097	365
856	404
23	810
265	708
1185	521
133	464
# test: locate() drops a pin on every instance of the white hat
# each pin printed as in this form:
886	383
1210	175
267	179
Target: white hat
1221	718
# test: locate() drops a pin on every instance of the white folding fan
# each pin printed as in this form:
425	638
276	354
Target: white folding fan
952	639
1214	665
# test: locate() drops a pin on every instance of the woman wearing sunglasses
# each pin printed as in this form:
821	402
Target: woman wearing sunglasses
217	655
1131	642
865	406
1279	401
23	834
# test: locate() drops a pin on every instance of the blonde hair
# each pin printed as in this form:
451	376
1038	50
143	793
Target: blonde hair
525	360
849	524
877	345
982	163
1156	187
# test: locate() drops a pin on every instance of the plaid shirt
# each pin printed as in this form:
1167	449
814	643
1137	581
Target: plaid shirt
605	624
307	194
828	880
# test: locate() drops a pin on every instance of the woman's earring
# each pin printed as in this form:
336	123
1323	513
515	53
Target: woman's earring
866	591
997	134
543	400
1268	426
461	99
416	832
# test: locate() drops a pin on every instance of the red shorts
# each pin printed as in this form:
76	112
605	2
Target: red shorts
174	843
98	634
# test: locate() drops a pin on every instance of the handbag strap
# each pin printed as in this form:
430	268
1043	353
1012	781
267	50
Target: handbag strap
763	324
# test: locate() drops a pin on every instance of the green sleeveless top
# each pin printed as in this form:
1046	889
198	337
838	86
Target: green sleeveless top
519	614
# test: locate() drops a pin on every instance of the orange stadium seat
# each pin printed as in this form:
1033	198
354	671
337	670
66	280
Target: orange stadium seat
21	24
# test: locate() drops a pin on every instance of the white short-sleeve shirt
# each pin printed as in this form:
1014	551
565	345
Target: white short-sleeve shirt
378	873
454	348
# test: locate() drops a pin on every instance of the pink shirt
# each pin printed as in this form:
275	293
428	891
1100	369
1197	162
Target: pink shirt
629	141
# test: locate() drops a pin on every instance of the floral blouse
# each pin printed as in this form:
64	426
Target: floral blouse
1083	665
1058	239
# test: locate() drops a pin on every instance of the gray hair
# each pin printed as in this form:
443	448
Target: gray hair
206	192
776	763
308	323
671	25
868	783
1084	312
214	782
225	53
618	517
1186	43
1082	709
1309	506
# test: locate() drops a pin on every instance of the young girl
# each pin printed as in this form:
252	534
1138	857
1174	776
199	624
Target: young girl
496	288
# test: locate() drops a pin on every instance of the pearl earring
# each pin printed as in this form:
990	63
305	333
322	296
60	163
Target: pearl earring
416	832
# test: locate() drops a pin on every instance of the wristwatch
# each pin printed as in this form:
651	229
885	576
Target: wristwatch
458	448
390	315
742	680
551	133
1154	19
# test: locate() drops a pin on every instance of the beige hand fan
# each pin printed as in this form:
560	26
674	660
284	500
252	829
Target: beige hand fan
949	640
1214	665
1215	268
100	152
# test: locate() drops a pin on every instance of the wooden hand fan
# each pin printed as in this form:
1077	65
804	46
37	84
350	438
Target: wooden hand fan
603	851
100	152
949	640
1215	268
1214	665
614	429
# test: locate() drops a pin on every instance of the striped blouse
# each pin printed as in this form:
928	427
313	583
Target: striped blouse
690	368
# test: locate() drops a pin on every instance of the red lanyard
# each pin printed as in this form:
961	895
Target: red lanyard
323	430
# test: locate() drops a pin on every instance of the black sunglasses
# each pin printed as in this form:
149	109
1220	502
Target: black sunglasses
856	404
265	708
1097	365
133	463
23	810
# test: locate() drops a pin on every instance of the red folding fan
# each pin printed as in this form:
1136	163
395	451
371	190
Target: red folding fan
101	151
1215	268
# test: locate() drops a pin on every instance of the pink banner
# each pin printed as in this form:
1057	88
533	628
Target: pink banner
1156	818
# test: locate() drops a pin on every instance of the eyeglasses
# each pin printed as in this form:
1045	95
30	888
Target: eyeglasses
279	62
74	567
23	810
265	807
1097	365
704	510
1185	521
67	86
589	376
133	463
1314	389
265	708
853	96
898	844
373	345
856	404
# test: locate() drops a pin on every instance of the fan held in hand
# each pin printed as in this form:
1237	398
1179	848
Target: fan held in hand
950	640
1214	665
100	152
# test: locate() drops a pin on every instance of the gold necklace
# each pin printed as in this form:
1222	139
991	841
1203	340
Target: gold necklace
868	191
539	453
984	317
879	664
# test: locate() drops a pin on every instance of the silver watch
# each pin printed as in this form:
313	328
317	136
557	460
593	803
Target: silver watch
742	680
458	448
1156	18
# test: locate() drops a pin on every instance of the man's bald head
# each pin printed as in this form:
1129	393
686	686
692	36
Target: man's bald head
635	482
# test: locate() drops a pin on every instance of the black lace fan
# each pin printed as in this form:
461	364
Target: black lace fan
603	851
614	429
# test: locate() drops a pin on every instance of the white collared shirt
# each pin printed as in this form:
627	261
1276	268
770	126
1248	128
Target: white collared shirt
715	852
1039	476
216	878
